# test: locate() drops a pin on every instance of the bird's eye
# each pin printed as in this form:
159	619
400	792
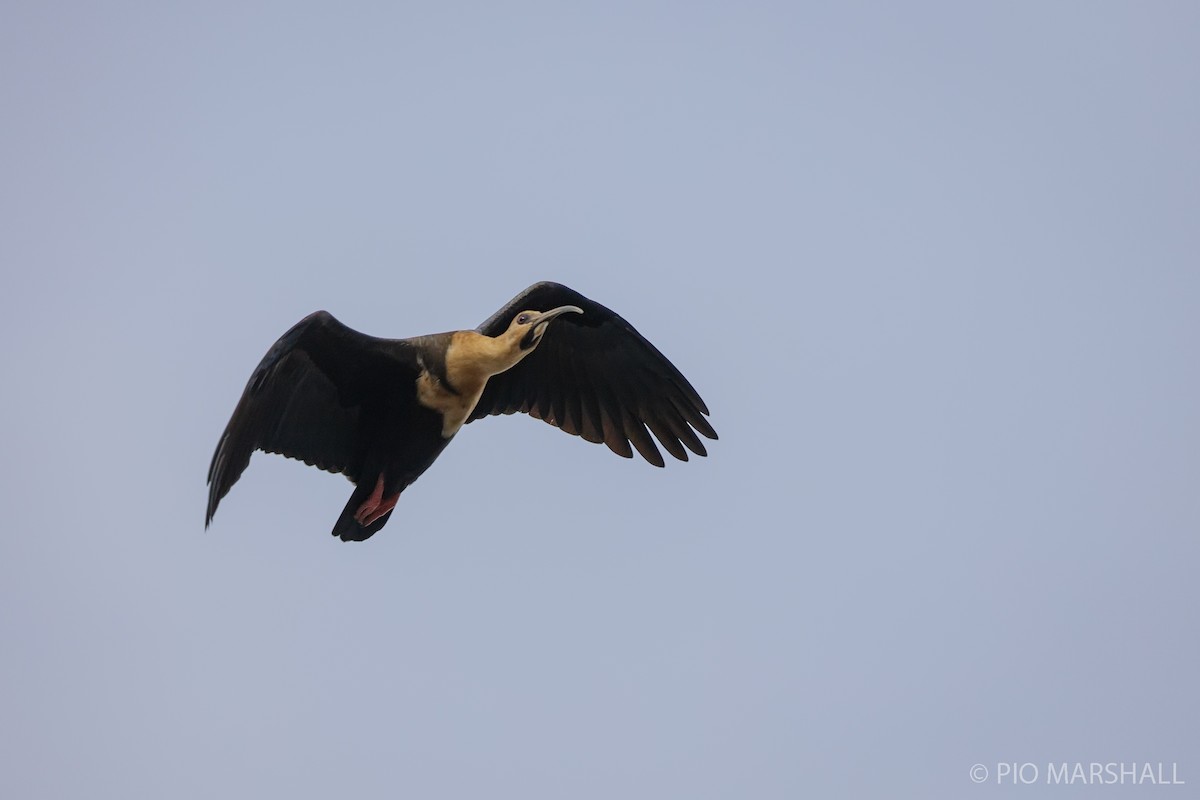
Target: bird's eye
524	318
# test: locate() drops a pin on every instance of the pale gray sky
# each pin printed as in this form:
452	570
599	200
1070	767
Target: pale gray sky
932	265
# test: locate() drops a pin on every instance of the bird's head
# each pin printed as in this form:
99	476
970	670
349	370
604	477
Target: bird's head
530	326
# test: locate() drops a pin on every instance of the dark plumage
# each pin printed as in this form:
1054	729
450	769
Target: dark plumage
380	411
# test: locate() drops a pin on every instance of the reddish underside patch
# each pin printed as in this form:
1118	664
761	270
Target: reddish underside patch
375	506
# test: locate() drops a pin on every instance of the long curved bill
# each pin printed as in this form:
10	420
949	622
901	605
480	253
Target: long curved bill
546	316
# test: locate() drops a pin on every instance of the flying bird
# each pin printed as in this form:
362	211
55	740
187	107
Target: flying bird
380	411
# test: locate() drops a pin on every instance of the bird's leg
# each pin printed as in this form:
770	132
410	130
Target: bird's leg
386	505
375	506
370	504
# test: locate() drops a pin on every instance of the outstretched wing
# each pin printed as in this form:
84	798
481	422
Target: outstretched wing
593	375
307	400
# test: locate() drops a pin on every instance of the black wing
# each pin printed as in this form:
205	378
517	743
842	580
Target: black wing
307	400
593	375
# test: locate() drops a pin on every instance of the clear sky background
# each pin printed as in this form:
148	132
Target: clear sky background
933	266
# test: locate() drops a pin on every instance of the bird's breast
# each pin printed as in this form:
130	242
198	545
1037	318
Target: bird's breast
454	407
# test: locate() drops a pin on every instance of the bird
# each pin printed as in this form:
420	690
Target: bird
380	411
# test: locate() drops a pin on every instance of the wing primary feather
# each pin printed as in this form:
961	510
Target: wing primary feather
591	427
658	415
610	419
563	386
665	433
632	397
695	419
637	434
671	427
671	396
